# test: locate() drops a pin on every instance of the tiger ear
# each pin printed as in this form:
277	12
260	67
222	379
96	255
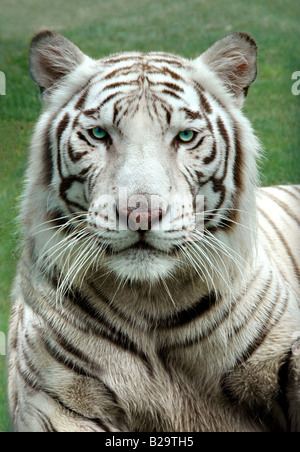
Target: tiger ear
52	57
234	60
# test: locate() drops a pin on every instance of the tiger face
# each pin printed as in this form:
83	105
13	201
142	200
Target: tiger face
142	154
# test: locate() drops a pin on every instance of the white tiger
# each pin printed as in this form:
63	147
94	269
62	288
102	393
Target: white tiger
127	314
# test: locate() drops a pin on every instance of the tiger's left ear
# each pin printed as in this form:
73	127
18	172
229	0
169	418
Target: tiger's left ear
234	60
51	58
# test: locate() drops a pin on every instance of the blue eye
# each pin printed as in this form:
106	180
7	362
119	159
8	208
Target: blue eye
99	133
186	135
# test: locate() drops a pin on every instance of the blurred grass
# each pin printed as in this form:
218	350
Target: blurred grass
185	27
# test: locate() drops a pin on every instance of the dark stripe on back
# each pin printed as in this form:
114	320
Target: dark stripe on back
286	189
283	240
283	206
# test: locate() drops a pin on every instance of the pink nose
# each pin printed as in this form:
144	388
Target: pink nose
137	220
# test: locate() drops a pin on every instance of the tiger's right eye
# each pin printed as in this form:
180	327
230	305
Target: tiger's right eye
186	135
98	133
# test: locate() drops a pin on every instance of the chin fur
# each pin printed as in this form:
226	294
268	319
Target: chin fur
141	265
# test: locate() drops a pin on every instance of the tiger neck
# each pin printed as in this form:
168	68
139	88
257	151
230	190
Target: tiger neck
180	295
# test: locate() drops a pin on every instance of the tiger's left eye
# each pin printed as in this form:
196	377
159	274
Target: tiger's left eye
99	133
186	135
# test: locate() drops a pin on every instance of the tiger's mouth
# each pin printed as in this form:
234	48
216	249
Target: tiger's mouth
142	246
139	245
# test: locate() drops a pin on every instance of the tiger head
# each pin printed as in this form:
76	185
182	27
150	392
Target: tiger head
143	161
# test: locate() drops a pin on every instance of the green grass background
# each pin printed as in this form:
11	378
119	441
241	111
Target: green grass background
100	27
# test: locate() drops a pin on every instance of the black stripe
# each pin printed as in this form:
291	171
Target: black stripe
285	207
92	113
203	100
82	137
198	144
170	61
102	326
216	324
120	59
28	380
86	367
207	160
174	75
46	422
36	387
260	300
223	132
190	182
47	158
177	320
283	241
283	382
109	98
232	211
58	218
119	72
261	337
297	188
118	84
171	93
238	162
65	185
189	315
285	189
218	183
191	114
75	156
80	103
171	86
33	377
62	125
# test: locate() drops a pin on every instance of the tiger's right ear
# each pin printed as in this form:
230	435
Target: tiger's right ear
233	60
52	57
